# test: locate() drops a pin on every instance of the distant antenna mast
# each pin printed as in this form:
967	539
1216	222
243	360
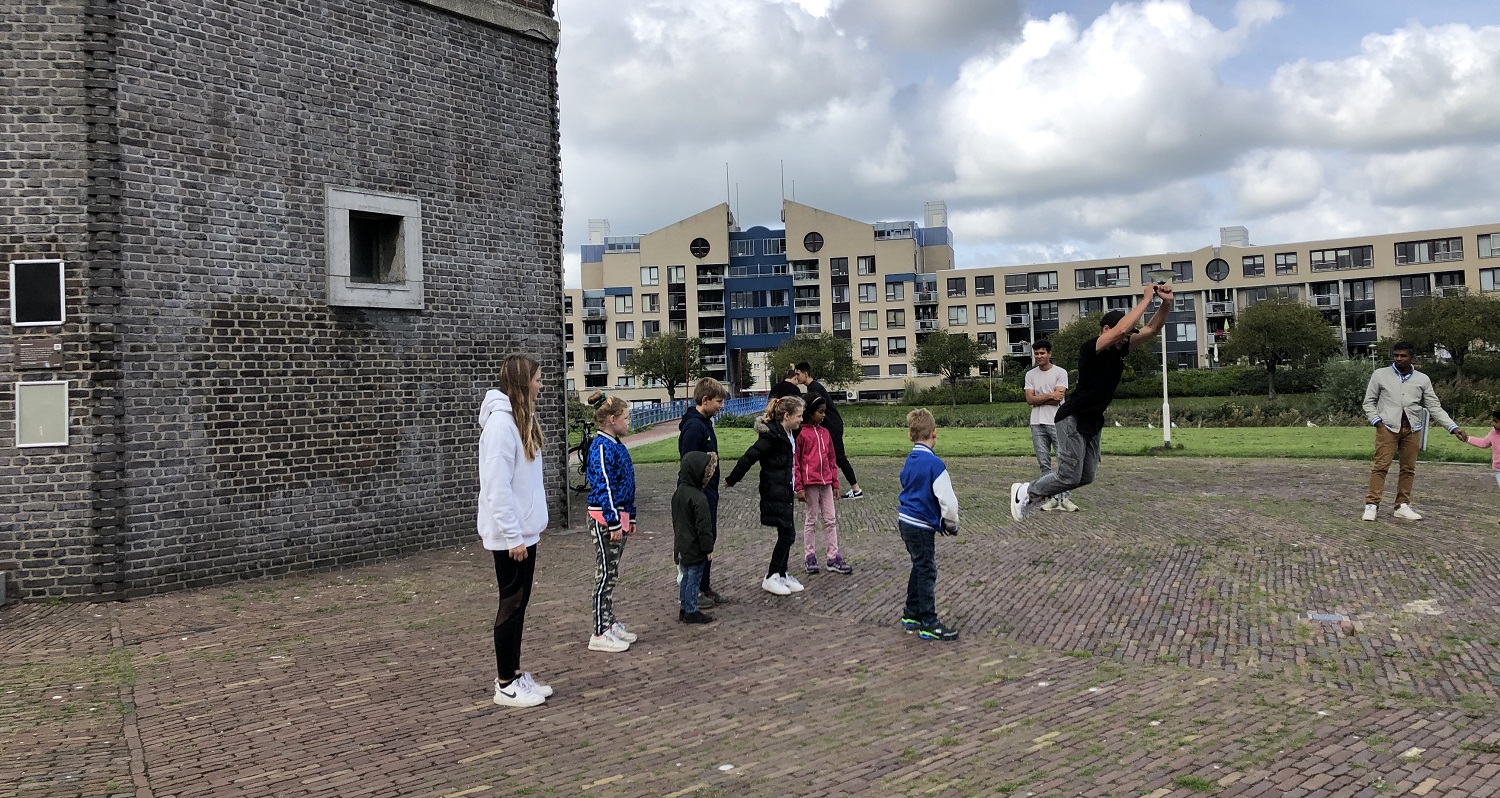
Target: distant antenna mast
726	183
794	189
783	178
736	200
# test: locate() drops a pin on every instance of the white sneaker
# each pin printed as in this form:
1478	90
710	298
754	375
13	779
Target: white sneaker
1020	500
619	631
517	694
607	642
791	584
1369	513
543	690
1405	511
773	584
1050	505
1066	505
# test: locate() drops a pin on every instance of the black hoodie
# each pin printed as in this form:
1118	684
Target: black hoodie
696	434
692	521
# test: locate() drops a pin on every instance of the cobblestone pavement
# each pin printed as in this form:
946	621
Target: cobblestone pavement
1156	644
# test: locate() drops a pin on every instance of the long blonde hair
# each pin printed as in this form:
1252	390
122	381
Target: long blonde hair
780	409
515	382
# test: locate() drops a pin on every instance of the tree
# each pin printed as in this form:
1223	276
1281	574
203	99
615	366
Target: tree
831	358
744	374
1280	329
671	357
1067	341
951	356
1456	323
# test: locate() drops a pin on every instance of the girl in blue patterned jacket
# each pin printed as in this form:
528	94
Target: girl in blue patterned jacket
611	478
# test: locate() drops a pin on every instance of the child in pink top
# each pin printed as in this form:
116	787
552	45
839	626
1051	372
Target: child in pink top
1491	442
817	472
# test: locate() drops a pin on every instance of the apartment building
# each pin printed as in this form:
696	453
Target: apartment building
884	286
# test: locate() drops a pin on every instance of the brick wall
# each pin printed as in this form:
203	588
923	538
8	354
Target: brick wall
264	431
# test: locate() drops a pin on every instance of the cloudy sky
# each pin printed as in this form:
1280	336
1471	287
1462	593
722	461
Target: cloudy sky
1054	129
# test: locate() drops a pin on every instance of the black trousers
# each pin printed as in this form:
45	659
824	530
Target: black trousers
836	431
514	580
706	586
785	537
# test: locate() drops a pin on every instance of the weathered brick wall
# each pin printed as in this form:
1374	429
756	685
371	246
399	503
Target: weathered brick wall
266	431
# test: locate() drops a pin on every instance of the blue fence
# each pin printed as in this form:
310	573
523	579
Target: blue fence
643	417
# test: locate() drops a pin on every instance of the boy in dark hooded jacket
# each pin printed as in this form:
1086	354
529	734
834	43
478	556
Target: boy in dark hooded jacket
692	530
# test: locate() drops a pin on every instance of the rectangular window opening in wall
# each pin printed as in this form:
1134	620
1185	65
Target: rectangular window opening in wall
41	413
1286	263
36	293
374	249
1489	280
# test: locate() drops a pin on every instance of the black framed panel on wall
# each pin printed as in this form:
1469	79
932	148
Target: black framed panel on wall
36	293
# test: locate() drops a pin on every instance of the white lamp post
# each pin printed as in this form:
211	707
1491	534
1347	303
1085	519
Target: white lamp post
1160	277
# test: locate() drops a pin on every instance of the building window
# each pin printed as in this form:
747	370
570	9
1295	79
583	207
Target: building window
895	346
958	315
1286	263
1254	265
1187	331
869	372
984	314
1327	260
374	249
867	292
895	292
990	340
651	303
571	385
1182	271
869	347
1146	269
676	275
1030	283
622	356
958	286
567	306
896	370
984	285
840	293
650	275
1359	291
1489	280
869	320
895	319
742	248
650	329
838	267
775	246
568	333
1437	250
812	242
624	303
1047	311
1107	277
1414	286
567	360
624	381
866	264
624	331
1088	306
841	320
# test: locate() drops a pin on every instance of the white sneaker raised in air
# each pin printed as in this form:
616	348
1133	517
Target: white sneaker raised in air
791	584
1020	500
1405	511
773	584
1369	512
517	694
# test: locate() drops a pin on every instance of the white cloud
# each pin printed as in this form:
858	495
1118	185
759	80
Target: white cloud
927	27
1271	181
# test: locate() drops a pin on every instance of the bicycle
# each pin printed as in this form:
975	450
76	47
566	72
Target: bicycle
581	450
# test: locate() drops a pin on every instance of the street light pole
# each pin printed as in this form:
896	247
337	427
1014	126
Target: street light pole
1160	276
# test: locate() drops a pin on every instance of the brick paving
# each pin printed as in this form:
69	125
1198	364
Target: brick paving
1156	644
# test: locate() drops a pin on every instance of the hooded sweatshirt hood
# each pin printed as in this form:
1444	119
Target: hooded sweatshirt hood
494	401
691	470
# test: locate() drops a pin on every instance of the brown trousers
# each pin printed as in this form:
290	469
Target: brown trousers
1408	443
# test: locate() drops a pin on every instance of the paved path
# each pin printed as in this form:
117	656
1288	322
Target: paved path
1156	644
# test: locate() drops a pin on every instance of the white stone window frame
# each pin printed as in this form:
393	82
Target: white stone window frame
403	294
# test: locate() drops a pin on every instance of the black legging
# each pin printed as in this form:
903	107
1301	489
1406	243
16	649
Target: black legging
514	580
785	537
836	431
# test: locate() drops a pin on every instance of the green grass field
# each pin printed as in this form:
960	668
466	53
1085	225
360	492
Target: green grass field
1351	443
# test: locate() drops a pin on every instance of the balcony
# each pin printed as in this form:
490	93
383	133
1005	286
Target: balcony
809	329
925	297
1021	349
927	325
595	313
596	340
1220	309
1328	301
1451	290
710	308
715	362
807	302
596	367
1018	319
804	276
711	336
1436	257
710	279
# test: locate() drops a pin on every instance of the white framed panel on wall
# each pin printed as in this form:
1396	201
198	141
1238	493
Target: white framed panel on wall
41	413
36	293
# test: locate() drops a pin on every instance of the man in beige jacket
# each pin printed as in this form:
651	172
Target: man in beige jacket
1400	404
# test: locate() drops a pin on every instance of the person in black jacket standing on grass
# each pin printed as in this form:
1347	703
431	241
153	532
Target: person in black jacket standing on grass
774	451
834	423
696	434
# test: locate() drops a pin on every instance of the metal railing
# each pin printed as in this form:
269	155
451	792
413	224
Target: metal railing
807	302
1325	300
804	277
925	297
1018	320
927	325
596	367
595	313
595	340
716	308
1018	349
1220	309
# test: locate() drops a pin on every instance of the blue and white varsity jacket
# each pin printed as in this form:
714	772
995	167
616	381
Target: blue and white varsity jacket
927	498
611	477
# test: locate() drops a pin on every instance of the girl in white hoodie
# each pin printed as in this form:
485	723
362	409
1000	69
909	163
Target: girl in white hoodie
512	515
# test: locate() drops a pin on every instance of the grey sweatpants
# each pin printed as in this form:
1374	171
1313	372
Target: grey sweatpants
1043	441
1077	460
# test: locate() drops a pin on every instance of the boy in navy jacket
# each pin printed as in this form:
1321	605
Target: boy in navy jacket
928	508
696	434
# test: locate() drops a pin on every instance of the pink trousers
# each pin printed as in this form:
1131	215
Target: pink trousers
820	500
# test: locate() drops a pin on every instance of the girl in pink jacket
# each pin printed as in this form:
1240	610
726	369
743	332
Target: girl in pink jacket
817	473
1490	441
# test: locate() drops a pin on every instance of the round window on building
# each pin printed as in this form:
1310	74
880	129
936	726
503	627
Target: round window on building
699	247
1217	269
812	242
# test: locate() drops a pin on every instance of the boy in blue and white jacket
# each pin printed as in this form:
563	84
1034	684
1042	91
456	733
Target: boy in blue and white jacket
928	508
611	477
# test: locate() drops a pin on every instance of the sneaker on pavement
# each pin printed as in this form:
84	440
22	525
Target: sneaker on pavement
854	494
838	566
937	631
707	601
1369	512
772	584
516	694
1066	505
694	617
910	624
543	690
1020	500
1405	511
607	642
1049	505
618	630
812	563
791	584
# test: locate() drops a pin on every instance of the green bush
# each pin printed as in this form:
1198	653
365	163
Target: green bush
1342	390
